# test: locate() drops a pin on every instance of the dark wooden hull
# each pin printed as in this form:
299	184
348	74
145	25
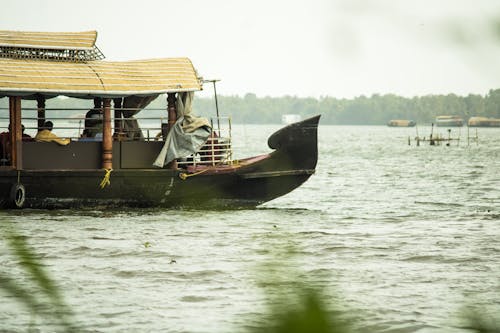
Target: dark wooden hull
251	182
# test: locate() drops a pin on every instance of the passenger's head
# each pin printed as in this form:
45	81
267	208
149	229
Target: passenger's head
23	128
97	102
48	125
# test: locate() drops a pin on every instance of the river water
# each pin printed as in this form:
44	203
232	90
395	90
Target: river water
398	238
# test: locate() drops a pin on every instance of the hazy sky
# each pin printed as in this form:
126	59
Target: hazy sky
339	48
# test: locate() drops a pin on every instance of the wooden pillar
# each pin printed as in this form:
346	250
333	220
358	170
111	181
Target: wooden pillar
172	118
40	111
107	139
16	136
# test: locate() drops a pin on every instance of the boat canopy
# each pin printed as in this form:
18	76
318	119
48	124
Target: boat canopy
48	40
52	64
61	46
109	79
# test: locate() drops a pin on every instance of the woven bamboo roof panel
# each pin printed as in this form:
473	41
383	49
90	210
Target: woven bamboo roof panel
21	77
48	40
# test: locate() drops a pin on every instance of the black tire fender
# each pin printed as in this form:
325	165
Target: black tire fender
17	195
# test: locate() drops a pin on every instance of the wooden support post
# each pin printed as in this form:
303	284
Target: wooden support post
16	136
107	139
40	111
172	118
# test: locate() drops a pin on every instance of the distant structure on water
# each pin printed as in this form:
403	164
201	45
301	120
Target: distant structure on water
436	139
449	121
401	123
483	122
290	118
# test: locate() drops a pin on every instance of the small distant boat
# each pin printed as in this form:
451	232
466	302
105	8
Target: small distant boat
401	123
288	119
483	122
449	121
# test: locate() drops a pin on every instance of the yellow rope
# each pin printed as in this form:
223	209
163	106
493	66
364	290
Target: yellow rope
105	181
185	176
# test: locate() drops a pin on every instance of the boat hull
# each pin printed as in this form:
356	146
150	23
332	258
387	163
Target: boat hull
249	182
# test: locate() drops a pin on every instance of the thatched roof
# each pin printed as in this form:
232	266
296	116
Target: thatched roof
48	40
22	77
69	63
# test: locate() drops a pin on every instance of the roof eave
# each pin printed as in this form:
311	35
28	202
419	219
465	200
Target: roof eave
89	93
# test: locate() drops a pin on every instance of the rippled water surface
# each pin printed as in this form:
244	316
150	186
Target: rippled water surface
400	238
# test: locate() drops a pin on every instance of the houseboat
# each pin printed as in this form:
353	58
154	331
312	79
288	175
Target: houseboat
110	160
483	122
449	121
401	123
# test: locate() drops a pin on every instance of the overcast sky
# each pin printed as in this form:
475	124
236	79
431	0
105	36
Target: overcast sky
339	48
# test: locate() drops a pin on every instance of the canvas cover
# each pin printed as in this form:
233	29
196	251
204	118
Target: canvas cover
188	134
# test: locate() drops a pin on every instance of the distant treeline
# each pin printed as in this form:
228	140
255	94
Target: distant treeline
373	110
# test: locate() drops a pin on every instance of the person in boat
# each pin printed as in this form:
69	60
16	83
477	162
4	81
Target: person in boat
26	137
87	137
5	146
46	135
93	120
5	143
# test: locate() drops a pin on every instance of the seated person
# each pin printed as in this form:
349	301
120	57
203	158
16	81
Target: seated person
26	137
46	135
90	137
93	120
5	147
5	144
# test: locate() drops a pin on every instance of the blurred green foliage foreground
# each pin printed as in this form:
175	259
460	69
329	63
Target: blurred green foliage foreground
308	315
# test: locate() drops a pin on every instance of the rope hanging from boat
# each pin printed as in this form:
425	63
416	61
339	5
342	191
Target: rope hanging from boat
185	176
105	181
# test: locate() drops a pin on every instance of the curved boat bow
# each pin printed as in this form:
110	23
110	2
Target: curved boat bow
259	179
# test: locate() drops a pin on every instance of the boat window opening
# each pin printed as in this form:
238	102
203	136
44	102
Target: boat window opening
217	149
73	128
